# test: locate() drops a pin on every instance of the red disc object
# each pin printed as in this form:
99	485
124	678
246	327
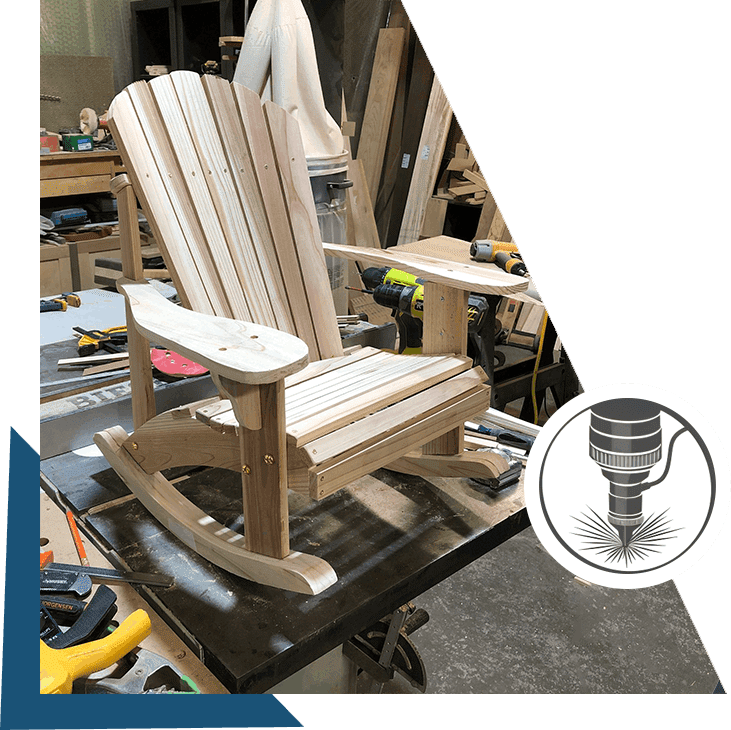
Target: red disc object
170	363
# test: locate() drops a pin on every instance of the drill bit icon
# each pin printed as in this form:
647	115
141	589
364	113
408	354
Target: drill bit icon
625	440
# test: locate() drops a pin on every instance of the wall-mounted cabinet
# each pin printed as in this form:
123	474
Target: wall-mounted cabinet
183	34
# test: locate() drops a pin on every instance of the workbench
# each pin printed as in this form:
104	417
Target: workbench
389	538
78	173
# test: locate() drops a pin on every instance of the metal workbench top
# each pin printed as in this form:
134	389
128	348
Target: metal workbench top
389	538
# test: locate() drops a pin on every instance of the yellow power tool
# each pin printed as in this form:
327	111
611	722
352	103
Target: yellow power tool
60	667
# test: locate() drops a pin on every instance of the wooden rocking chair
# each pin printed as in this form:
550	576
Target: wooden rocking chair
224	184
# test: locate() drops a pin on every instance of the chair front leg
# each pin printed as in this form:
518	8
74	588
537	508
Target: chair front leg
259	410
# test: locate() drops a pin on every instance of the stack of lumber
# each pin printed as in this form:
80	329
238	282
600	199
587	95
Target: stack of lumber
462	180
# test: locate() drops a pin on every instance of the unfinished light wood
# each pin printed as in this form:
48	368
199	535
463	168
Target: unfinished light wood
176	438
436	212
470	465
201	533
225	185
264	468
468	277
363	230
279	276
97	359
326	479
243	351
297	191
426	167
445	330
138	346
106	367
379	105
457	251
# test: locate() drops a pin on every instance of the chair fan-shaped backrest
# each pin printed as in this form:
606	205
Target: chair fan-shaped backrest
223	182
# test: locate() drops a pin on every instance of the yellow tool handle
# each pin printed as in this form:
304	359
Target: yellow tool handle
85	659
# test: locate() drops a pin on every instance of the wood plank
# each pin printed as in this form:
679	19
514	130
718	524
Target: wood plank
294	178
420	81
326	479
445	330
221	417
177	121
362	230
379	105
75	186
264	168
138	346
436	212
150	161
201	533
170	440
426	167
470	277
385	394
93	359
477	179
469	189
498	228
315	369
106	367
240	164
242	351
332	382
487	214
251	271
264	472
384	383
388	421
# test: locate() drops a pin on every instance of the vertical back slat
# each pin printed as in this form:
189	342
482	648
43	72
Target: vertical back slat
252	269
236	147
198	205
295	182
228	195
265	170
140	145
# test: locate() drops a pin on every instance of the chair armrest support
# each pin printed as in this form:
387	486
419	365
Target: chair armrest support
241	351
466	277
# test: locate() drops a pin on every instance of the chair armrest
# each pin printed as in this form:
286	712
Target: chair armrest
246	353
466	277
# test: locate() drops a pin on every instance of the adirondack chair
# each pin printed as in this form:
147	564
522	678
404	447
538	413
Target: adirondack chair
224	184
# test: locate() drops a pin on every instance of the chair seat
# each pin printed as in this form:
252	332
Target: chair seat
342	405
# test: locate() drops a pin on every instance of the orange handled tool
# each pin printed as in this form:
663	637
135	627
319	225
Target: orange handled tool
77	539
60	667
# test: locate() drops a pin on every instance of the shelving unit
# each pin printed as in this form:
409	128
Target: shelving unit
183	34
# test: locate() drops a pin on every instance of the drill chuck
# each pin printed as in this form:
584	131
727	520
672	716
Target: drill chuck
625	440
399	297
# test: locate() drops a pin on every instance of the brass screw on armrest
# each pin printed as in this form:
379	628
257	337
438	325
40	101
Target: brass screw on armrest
268	459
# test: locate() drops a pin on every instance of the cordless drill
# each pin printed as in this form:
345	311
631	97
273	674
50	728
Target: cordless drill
404	294
505	255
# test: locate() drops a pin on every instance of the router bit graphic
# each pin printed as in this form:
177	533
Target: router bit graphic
625	440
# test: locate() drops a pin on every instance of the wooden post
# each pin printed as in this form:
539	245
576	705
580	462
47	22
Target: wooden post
263	464
445	331
140	365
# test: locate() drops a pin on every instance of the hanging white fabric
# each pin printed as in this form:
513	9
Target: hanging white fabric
278	62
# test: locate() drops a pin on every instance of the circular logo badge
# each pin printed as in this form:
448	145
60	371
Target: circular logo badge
624	486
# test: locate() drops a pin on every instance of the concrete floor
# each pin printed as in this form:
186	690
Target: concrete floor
515	621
